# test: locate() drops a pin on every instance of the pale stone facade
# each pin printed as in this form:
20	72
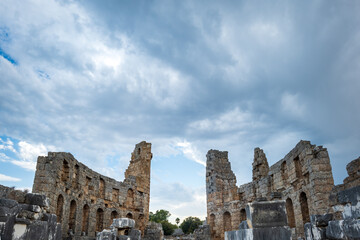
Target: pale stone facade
303	179
85	201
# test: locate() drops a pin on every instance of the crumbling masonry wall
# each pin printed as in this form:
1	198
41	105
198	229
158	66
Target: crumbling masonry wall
85	201
303	178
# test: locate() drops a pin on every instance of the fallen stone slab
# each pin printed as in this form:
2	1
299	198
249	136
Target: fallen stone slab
123	223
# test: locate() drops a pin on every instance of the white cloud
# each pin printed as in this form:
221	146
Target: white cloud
291	103
235	119
8	178
191	152
182	201
27	153
7	145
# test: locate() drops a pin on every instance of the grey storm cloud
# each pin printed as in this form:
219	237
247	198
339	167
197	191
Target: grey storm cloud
94	76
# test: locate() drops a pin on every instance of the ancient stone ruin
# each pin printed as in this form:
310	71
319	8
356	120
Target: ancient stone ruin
85	201
24	216
302	179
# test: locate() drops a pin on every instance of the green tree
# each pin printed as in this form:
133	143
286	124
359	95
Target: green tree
190	224
159	216
177	220
168	227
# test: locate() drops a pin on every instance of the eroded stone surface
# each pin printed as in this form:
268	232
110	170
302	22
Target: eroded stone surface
86	202
25	221
303	178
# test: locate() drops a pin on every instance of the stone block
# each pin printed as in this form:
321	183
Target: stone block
135	234
272	233
351	195
124	237
37	230
335	230
8	203
351	211
106	235
31	208
352	228
37	199
266	214
4	211
321	220
123	223
307	231
243	225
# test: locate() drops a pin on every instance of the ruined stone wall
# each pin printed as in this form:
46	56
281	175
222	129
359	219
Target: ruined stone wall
85	201
303	178
24	216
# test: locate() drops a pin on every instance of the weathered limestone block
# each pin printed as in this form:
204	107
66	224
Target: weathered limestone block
106	235
135	234
321	220
178	232
313	232
353	169
202	232
123	223
37	199
27	221
266	214
153	231
335	230
351	195
352	228
350	211
270	233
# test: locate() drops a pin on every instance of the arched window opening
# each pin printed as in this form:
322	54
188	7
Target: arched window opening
115	195
242	215
129	215
65	171
227	222
130	198
290	213
114	214
304	208
298	169
99	220
102	188
284	174
75	179
85	219
59	208
72	215
212	224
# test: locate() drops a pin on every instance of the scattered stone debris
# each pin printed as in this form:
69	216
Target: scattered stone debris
24	216
85	201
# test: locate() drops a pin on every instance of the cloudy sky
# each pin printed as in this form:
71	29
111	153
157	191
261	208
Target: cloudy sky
96	77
